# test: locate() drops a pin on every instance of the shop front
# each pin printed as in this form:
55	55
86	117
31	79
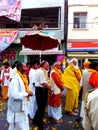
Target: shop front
83	51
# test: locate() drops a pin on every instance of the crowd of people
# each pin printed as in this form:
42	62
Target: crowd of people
30	88
39	27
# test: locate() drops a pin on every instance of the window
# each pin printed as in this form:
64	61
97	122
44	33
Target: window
44	16
80	20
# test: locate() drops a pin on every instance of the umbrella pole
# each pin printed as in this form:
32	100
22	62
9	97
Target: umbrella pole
40	56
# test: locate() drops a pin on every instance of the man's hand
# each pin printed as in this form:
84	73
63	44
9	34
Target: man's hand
51	90
30	93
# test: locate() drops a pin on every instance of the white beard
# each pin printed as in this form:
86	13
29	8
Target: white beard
76	66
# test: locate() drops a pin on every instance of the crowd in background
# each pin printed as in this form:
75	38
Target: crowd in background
33	86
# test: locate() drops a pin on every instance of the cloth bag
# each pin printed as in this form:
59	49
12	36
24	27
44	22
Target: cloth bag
16	105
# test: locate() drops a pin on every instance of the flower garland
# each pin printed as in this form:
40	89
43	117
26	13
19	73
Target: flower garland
25	81
91	70
58	71
46	75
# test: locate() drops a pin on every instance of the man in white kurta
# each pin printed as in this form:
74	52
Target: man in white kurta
32	103
18	120
32	81
90	119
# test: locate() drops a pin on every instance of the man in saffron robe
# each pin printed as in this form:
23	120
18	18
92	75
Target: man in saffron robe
71	78
54	100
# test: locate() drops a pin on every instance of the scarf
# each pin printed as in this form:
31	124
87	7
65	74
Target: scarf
6	70
91	70
58	71
77	72
93	80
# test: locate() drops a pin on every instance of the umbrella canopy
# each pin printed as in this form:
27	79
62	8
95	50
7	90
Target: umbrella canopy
39	41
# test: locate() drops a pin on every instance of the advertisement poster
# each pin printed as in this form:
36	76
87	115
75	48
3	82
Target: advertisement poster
11	9
7	36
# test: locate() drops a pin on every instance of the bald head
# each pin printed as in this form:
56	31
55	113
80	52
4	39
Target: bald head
57	64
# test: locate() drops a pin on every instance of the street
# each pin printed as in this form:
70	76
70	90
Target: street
68	122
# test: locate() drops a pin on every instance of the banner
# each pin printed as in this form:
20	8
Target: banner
7	36
11	9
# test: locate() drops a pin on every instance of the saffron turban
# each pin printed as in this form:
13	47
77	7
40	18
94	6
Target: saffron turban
86	64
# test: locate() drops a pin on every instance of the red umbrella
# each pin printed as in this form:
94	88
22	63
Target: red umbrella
39	41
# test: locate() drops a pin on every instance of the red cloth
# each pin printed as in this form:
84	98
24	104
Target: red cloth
93	80
27	72
54	100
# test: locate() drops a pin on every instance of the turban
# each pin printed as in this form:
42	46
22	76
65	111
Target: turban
86	64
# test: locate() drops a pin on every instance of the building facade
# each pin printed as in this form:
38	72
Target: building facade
82	29
48	14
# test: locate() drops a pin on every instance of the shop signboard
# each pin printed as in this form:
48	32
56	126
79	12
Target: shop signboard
82	46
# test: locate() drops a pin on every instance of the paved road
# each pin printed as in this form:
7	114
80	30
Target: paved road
68	123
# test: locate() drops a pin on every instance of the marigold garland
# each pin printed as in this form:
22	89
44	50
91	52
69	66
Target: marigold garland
91	70
58	71
25	81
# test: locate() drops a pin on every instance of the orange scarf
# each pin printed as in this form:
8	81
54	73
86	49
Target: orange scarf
93	80
25	81
91	70
58	71
77	72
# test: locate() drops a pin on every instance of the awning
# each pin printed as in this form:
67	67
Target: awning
35	52
80	56
82	47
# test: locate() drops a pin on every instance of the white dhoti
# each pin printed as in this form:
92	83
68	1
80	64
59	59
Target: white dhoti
55	112
19	121
32	106
82	110
22	125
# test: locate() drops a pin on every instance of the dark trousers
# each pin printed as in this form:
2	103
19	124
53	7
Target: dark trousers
41	98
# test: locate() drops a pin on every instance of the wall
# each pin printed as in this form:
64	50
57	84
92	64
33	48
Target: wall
41	3
83	2
91	32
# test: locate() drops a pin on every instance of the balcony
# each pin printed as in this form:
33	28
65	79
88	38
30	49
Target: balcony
48	18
